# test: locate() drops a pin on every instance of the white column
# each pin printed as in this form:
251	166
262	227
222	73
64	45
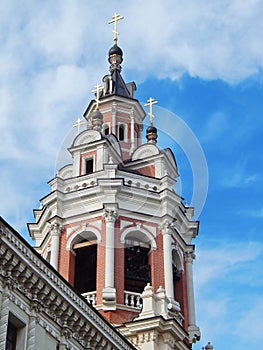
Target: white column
56	230
139	138
167	259
109	292
189	257
110	218
132	131
193	330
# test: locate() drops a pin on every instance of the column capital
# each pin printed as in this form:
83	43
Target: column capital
56	229
110	215
132	113
189	256
167	227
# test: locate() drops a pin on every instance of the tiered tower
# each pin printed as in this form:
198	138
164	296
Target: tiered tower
114	227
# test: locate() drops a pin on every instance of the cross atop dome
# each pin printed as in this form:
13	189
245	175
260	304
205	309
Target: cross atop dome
151	131
115	18
150	103
98	88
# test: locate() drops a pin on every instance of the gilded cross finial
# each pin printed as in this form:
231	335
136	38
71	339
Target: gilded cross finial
97	90
115	18
150	103
78	124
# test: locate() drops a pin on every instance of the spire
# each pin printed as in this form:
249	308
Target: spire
115	59
151	131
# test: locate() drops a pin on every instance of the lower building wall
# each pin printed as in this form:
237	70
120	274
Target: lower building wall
43	340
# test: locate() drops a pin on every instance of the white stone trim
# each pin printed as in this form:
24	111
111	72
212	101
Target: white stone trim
80	231
141	230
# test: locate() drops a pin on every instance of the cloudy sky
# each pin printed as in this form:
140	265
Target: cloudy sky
202	60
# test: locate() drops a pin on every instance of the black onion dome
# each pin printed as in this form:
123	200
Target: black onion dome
97	114
151	129
151	134
115	50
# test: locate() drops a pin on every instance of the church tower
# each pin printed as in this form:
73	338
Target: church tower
113	225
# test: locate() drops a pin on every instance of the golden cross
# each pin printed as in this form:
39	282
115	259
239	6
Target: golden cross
150	103
116	17
97	91
78	124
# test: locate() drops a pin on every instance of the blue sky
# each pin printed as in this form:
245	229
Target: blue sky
203	62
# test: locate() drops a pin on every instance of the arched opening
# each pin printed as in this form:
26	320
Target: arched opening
178	278
85	265
137	270
177	266
121	132
106	129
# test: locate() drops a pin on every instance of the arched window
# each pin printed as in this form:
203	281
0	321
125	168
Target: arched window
136	266
106	129
85	266
121	132
178	276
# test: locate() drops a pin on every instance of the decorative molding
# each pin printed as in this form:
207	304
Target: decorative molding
145	151
56	229
167	227
110	215
189	256
87	136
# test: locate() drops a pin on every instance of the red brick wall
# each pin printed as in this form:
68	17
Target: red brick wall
119	265
120	316
147	170
64	257
156	262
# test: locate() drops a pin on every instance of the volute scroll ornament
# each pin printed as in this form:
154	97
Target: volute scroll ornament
189	256
110	215
167	227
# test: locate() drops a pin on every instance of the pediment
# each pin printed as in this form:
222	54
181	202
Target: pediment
65	172
145	151
87	136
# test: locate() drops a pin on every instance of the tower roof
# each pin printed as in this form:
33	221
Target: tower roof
118	85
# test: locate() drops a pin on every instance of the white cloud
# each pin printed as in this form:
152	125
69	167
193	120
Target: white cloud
257	213
250	325
237	174
228	279
218	123
225	259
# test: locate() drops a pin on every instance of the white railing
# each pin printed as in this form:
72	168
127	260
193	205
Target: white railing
133	300
90	297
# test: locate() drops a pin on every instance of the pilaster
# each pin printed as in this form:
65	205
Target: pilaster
4	314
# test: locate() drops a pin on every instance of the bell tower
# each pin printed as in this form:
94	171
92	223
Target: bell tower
113	225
